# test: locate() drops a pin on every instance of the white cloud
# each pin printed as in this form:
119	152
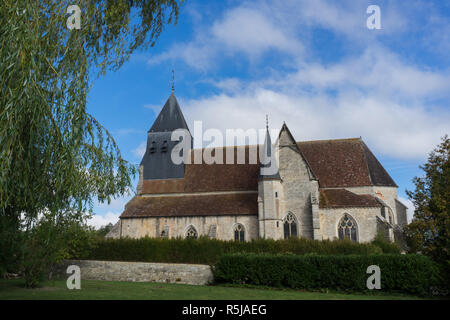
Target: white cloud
387	127
242	30
374	93
116	204
378	70
98	220
348	17
253	32
254	28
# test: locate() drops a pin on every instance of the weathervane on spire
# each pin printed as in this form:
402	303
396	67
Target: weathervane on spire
173	81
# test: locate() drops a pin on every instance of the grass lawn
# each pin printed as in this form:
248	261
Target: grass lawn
98	290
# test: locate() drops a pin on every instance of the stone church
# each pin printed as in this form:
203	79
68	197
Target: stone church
324	189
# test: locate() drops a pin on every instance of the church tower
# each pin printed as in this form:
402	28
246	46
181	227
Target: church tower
157	162
269	192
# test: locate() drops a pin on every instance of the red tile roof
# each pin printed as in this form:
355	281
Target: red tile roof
344	163
336	164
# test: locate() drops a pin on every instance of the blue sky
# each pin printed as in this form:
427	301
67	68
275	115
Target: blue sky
313	64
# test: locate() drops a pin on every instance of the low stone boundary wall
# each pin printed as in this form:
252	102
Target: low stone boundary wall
196	274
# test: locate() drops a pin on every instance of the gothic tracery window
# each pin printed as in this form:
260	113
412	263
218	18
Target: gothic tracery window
239	232
347	228
290	226
191	233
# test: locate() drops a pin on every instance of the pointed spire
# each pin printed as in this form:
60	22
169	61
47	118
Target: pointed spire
269	165
173	81
170	117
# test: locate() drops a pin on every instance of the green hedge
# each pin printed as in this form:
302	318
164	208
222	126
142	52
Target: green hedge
411	274
209	251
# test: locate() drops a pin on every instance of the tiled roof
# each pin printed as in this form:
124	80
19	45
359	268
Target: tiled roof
336	163
341	198
210	177
192	205
344	163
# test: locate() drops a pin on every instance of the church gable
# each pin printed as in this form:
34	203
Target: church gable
291	157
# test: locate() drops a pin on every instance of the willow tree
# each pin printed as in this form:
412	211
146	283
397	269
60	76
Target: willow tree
56	159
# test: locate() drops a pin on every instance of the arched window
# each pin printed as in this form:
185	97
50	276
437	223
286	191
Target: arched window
347	228
290	226
191	233
239	232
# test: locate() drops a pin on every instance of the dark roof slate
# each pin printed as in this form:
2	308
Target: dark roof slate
341	198
170	118
192	205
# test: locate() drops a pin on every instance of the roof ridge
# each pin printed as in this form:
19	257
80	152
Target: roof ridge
261	144
331	140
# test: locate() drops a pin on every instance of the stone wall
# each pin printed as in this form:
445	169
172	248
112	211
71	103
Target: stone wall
402	213
298	186
177	226
387	194
366	220
195	274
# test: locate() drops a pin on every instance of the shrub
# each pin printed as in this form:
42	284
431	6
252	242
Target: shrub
412	274
385	245
208	251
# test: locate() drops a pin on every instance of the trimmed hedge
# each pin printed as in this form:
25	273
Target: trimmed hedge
208	251
411	274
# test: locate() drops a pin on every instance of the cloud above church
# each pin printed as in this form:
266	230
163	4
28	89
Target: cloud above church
101	220
369	88
242	30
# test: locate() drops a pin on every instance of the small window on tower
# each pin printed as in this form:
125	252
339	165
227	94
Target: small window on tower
164	146
276	194
153	147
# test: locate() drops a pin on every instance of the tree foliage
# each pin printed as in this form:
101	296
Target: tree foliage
429	230
55	157
104	230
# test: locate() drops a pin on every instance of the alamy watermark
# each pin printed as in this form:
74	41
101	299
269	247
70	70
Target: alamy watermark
374	281
237	140
74	280
74	20
374	20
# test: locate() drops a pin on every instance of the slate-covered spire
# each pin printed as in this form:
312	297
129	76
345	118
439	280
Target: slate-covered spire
170	118
157	162
269	165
